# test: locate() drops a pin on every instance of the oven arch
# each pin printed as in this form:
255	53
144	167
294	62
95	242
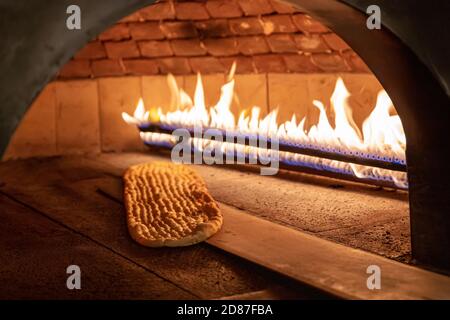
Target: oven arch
32	52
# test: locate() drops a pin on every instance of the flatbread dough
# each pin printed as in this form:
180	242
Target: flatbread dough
168	204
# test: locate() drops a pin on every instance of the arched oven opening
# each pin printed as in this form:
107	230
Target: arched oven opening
302	88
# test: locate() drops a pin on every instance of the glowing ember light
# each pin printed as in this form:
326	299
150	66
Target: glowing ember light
382	135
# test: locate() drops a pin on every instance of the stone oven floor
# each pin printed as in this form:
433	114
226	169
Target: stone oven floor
60	211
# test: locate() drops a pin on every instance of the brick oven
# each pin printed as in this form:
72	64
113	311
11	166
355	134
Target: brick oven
278	49
288	58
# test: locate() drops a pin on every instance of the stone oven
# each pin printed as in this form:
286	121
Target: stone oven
359	114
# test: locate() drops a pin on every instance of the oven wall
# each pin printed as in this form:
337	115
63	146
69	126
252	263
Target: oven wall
281	53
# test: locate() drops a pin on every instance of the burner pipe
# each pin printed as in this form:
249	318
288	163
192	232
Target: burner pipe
302	168
304	150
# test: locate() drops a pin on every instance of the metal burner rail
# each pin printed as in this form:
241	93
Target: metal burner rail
308	169
247	139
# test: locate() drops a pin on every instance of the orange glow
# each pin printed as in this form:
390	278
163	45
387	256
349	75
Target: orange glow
382	134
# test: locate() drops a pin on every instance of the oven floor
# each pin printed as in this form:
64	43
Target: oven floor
56	212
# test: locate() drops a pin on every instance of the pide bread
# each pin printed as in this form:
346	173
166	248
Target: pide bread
169	205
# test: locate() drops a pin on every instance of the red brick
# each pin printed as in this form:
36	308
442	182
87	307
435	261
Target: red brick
140	67
246	26
179	29
252	45
158	11
255	7
155	49
191	11
146	31
308	25
134	17
355	62
76	69
329	62
93	50
269	63
174	65
279	43
213	28
117	32
223	9
188	47
310	43
206	65
123	49
221	47
300	63
243	64
283	7
335	43
107	67
278	24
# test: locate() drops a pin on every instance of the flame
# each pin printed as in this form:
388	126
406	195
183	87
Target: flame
382	134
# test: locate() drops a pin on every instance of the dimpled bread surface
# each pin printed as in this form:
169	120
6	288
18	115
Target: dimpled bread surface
168	204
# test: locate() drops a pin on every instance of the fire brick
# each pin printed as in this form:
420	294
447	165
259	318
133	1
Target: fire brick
188	47
280	23
269	63
355	62
107	67
206	65
146	31
213	28
221	47
246	26
335	43
77	116
191	11
134	17
329	62
283	7
29	139
176	30
280	43
252	45
76	69
300	63
256	7
310	43
93	50
244	64
124	49
174	65
155	49
223	9
158	11
140	67
306	24
119	93
117	32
